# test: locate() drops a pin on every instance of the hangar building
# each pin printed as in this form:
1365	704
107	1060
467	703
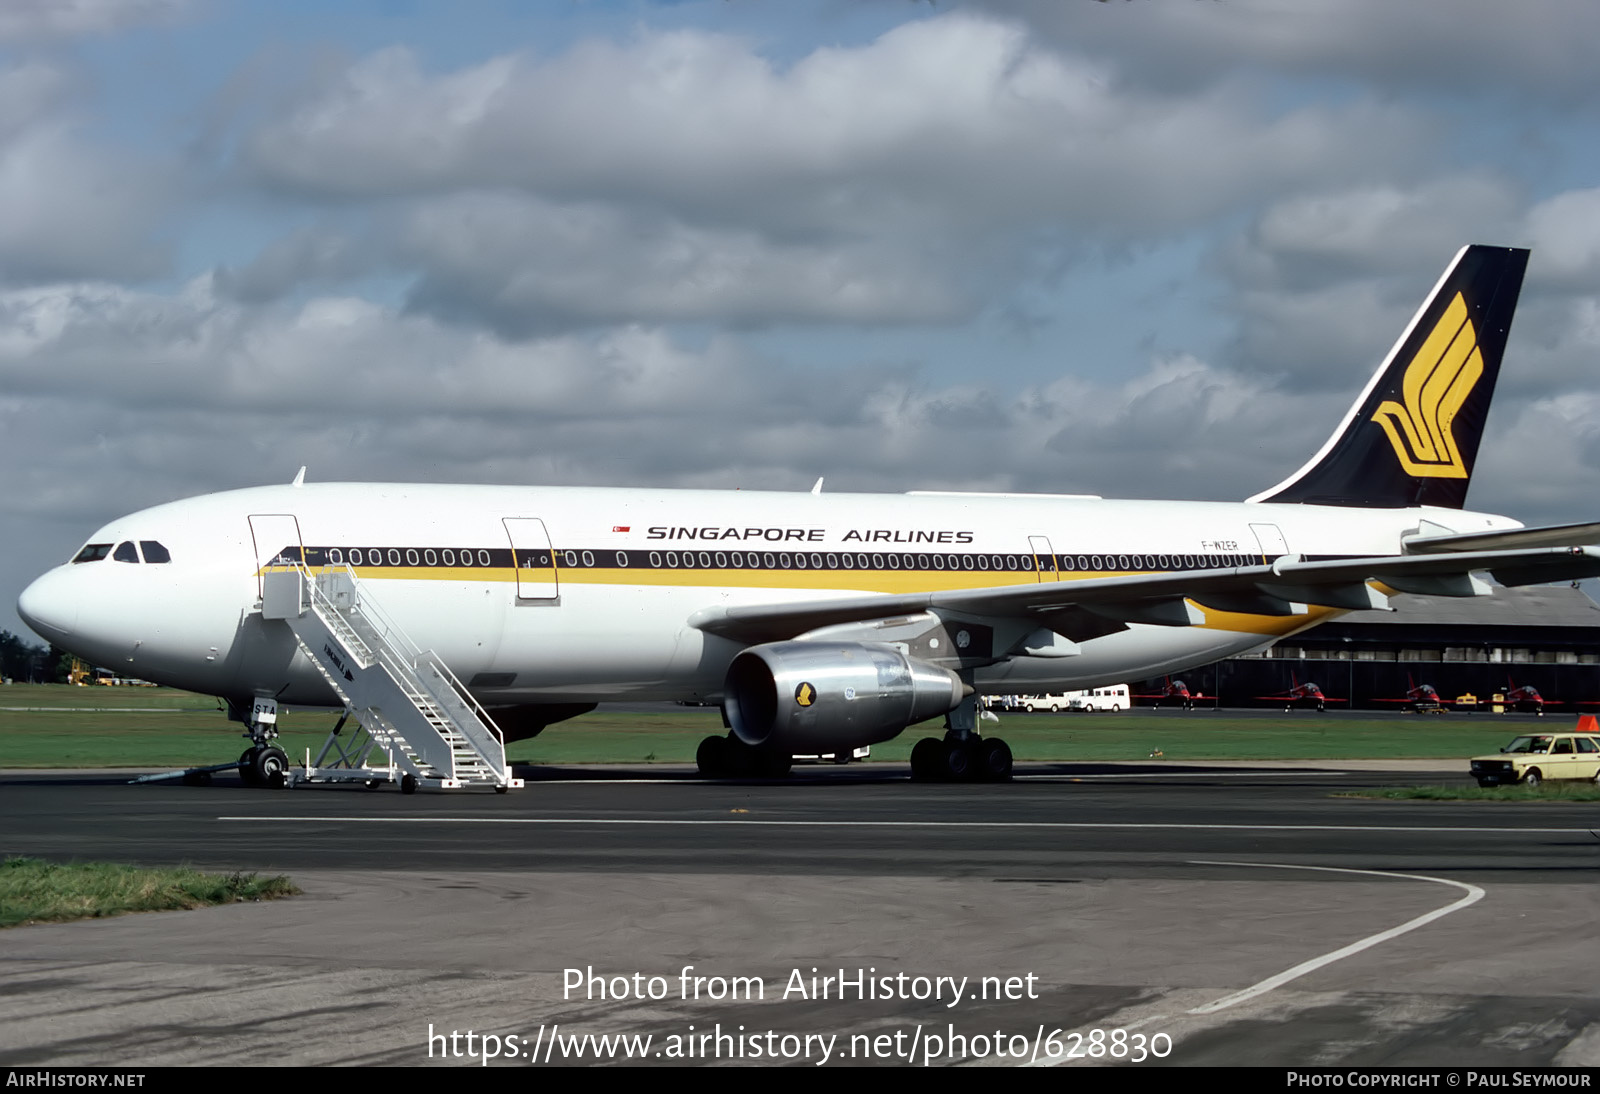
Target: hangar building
1544	636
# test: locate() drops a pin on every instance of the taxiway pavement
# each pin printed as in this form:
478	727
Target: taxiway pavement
1154	900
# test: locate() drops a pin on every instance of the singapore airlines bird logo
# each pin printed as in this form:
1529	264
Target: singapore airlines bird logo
1437	382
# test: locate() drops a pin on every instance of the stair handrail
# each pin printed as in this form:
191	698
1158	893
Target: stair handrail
498	737
318	597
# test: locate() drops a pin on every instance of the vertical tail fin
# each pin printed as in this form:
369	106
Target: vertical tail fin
1412	436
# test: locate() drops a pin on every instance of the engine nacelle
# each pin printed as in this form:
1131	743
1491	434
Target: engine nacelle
817	697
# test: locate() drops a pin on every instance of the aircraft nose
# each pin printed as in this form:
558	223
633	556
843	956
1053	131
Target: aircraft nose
49	605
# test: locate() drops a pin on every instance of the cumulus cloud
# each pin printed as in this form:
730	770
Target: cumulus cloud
1467	46
71	209
601	264
364	391
909	129
1566	231
305	257
523	266
683	175
30	21
1321	236
1322	283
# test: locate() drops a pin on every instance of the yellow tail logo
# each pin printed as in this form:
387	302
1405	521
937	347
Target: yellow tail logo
1437	382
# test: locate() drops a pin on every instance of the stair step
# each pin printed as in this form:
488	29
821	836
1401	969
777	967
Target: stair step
414	682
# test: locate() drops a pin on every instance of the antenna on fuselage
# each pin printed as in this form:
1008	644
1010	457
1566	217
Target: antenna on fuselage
299	477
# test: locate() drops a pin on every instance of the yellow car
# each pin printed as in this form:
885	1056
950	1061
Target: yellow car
1532	758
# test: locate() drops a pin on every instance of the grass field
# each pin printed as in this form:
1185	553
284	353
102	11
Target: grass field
32	891
60	726
1544	792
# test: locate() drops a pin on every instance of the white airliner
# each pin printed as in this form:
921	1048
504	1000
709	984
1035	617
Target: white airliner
822	622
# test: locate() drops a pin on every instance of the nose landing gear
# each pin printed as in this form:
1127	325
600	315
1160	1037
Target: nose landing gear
263	763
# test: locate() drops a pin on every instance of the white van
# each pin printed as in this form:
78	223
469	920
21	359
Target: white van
1113	697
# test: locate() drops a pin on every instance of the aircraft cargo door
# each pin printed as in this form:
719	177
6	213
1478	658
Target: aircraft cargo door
533	557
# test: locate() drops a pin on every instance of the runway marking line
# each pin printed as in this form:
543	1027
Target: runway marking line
1317	772
636	821
665	780
1474	894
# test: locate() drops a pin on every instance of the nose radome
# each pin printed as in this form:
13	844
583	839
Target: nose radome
50	605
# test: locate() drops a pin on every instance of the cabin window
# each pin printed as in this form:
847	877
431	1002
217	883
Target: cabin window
154	552
93	552
125	552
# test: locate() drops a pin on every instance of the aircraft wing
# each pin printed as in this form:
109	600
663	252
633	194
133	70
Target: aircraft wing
1555	535
1075	608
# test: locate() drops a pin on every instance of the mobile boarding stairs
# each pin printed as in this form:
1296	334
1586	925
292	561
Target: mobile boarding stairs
416	723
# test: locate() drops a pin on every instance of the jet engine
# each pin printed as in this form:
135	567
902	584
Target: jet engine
819	697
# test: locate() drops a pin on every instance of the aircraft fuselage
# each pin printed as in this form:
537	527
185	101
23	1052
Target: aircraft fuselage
557	595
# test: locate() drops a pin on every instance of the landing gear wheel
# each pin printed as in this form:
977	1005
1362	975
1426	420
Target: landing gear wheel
247	767
994	760
408	784
773	765
925	757
959	763
712	757
271	768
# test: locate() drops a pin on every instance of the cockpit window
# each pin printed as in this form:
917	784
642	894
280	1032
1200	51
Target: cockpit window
93	552
153	551
125	553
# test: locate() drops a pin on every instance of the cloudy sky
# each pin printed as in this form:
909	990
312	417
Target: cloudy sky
1144	249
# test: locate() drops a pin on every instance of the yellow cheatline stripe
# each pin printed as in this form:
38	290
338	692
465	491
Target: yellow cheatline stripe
844	581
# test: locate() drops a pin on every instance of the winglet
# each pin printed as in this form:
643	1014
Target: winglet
1412	436
299	477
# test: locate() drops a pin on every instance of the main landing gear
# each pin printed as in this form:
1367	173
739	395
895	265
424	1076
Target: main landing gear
962	755
961	759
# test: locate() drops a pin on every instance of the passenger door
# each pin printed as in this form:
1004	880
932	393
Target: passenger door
533	558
